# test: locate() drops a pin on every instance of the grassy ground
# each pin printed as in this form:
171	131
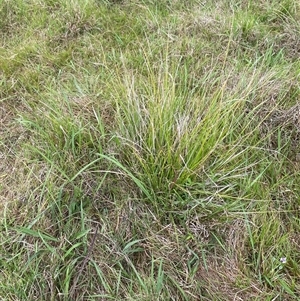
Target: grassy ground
149	150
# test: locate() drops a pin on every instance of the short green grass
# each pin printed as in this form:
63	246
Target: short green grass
140	157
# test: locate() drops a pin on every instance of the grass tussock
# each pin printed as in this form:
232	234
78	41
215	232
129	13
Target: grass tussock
150	150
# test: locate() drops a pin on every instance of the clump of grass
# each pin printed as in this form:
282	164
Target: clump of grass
169	129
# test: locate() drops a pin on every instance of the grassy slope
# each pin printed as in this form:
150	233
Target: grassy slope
141	156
